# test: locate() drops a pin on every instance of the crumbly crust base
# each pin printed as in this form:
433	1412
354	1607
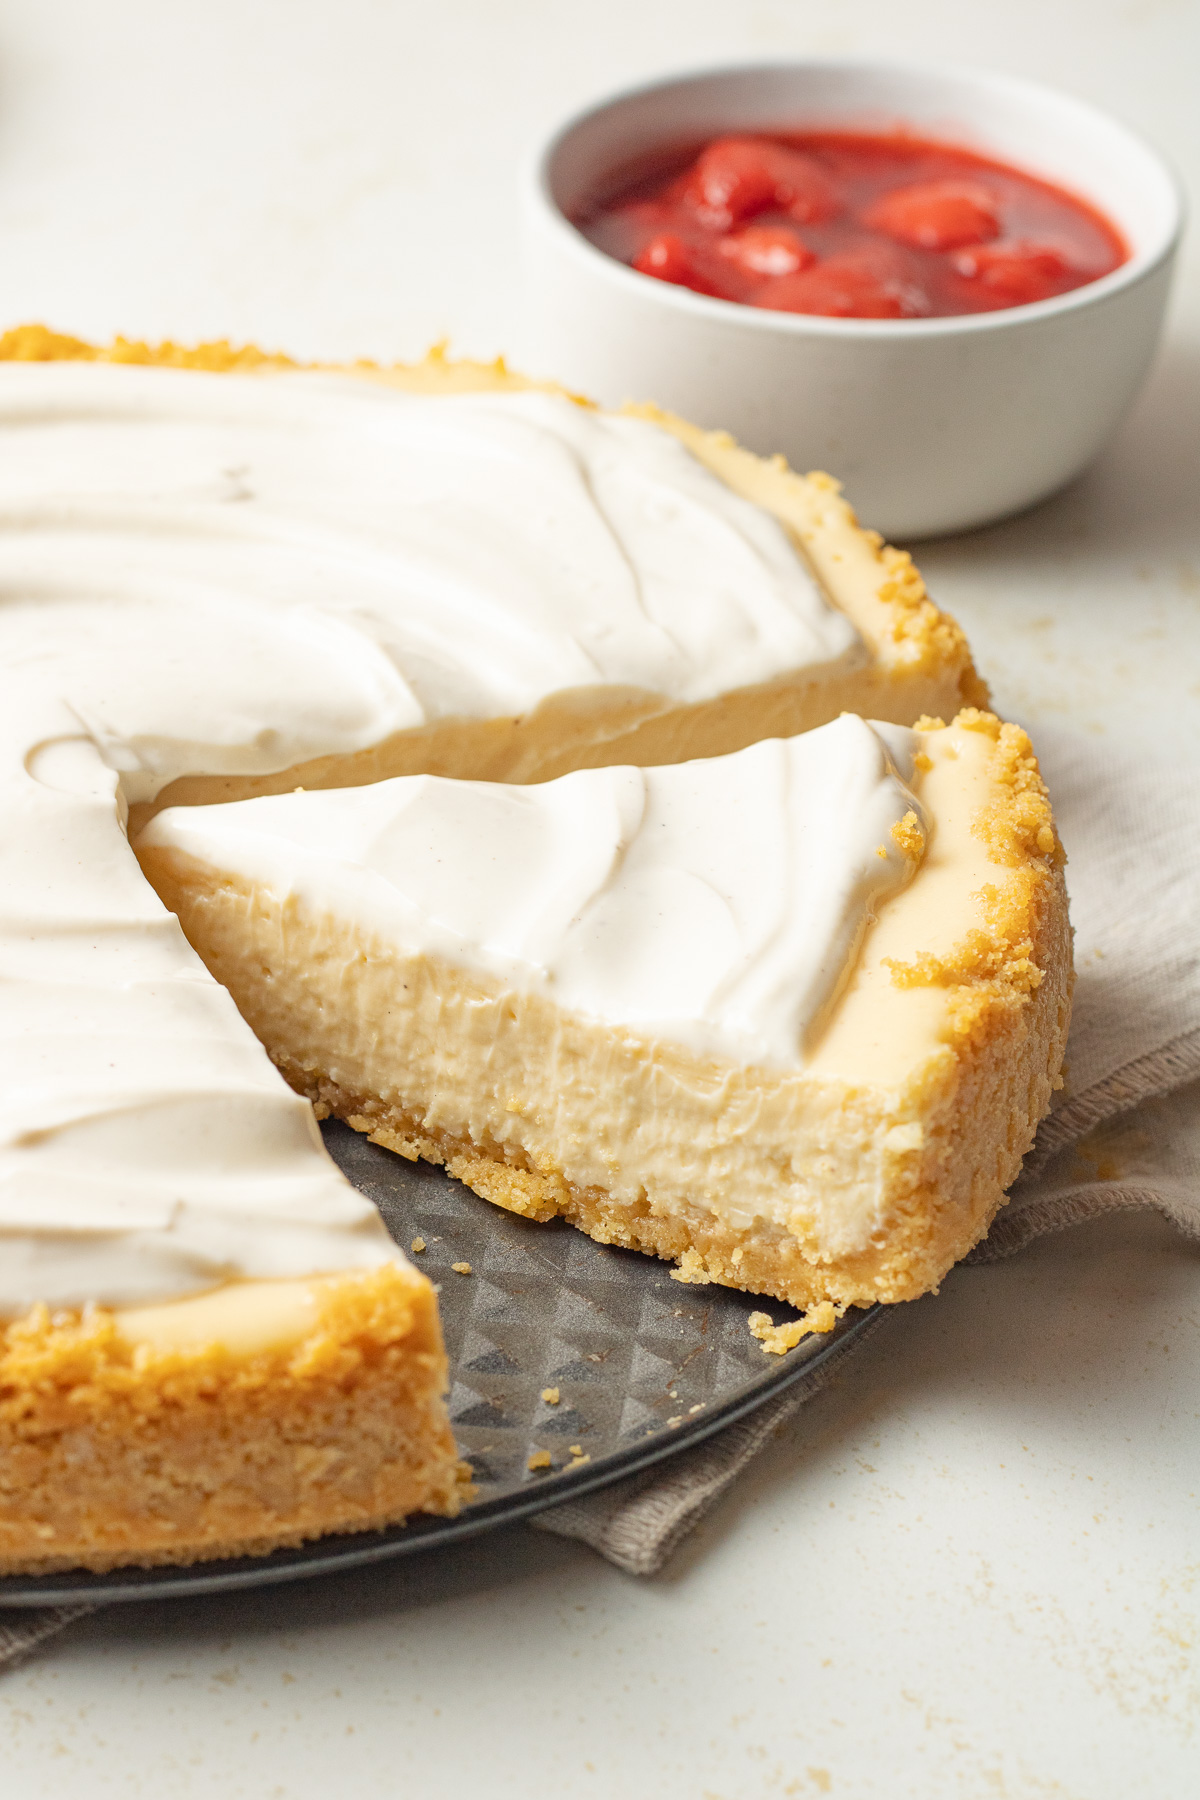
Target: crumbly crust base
113	1453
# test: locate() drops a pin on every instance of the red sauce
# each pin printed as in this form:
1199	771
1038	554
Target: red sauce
853	226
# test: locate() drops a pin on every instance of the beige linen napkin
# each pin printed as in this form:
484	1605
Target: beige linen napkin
1126	1131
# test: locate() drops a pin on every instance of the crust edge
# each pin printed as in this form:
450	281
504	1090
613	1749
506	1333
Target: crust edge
224	1455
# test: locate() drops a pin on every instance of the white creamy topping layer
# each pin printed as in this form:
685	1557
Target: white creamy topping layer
715	904
215	574
236	574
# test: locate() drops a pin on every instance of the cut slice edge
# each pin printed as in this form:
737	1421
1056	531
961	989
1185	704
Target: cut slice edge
861	1176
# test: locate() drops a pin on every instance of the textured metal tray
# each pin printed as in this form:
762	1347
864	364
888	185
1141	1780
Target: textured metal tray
644	1365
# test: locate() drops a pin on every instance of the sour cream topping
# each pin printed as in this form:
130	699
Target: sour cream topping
716	904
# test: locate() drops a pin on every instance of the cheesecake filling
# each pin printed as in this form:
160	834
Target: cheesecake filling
655	983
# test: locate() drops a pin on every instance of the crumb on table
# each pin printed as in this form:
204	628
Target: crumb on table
539	1460
461	1268
418	1244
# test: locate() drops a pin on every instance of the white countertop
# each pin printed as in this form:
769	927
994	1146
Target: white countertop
972	1568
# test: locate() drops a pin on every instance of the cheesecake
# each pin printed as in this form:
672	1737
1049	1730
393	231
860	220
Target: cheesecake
225	578
788	1017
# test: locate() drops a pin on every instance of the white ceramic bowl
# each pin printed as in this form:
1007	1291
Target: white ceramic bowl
933	425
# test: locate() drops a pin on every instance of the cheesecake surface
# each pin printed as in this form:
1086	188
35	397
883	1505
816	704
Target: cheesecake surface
227	577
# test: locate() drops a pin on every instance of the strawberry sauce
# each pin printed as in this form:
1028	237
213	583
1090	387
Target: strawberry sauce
852	226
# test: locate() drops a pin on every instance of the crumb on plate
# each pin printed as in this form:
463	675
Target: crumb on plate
776	1340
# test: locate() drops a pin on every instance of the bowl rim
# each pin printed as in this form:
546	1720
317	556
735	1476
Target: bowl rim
1140	265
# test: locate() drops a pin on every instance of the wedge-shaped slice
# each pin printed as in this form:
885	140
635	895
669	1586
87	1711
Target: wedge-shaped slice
789	1016
229	1424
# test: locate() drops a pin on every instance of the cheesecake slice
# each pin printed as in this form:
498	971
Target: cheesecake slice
789	1017
255	1415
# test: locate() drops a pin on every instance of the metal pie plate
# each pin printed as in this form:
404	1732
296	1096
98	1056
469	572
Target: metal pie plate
645	1367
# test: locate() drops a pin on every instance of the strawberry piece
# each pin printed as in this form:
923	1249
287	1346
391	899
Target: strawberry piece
767	250
669	257
730	182
735	178
1017	274
859	284
937	215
